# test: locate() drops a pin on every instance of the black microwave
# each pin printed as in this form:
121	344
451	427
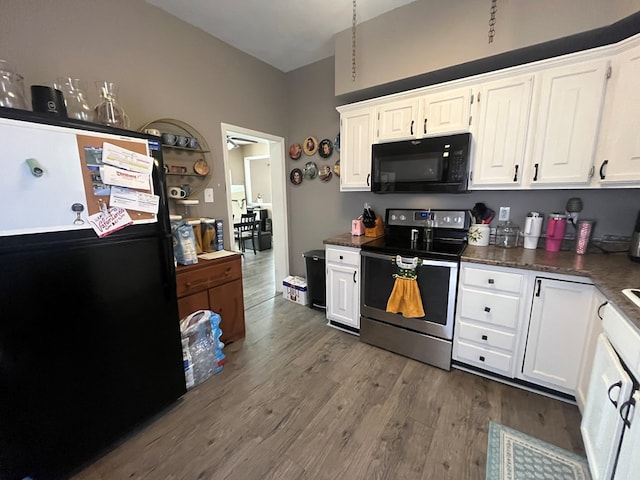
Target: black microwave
426	165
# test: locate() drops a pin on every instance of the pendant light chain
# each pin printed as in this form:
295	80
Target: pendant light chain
353	44
492	19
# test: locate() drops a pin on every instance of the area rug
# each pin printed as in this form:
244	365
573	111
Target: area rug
513	455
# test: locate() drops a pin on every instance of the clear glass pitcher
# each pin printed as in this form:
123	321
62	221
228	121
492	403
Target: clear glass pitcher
11	87
75	97
108	111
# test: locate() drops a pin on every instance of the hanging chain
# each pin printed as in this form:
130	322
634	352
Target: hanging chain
353	44
492	19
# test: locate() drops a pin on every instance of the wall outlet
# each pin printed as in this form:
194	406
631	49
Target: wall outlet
208	195
504	214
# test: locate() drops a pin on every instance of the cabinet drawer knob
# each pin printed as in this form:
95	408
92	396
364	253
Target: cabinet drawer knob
481	358
487	309
491	281
484	337
341	257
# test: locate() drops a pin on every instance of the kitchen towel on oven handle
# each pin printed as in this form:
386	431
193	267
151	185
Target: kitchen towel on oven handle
405	296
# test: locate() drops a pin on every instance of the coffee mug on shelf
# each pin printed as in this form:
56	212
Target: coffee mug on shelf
177	192
192	142
182	140
168	138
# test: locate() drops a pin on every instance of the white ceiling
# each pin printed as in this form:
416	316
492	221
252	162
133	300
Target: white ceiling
286	34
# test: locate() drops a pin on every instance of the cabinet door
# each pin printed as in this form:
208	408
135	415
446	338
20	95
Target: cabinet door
446	112
620	142
557	331
193	302
570	105
628	464
343	295
601	424
356	138
397	120
226	300
594	329
503	110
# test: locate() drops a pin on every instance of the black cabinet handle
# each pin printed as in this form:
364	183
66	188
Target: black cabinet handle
491	281
515	175
539	286
600	308
425	125
354	277
484	337
487	309
617	384
624	411
412	121
535	175
602	174
481	358
368	178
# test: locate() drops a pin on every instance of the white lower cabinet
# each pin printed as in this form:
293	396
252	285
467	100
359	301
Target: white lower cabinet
525	327
560	313
343	287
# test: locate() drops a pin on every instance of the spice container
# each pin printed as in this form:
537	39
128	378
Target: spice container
507	235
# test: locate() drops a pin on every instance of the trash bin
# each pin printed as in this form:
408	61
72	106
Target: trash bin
316	278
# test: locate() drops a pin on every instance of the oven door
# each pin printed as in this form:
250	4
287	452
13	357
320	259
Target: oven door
437	282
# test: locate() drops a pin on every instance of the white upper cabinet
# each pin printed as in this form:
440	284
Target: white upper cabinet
566	130
397	120
356	138
502	111
618	158
446	112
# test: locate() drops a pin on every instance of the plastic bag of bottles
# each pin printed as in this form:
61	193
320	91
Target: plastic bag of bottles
202	331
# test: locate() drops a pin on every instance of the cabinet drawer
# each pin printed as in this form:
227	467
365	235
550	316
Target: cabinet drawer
500	363
486	336
493	308
343	257
210	276
492	280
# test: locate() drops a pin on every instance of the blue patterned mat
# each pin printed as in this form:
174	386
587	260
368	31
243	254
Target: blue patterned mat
513	455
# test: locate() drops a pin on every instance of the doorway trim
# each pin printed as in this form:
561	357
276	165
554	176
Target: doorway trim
280	225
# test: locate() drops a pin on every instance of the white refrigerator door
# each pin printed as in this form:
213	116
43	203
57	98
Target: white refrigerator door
601	426
33	204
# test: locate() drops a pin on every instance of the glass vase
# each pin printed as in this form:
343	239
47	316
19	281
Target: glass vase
11	87
108	111
75	98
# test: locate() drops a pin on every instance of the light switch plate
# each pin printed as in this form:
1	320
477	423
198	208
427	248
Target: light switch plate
504	214
208	195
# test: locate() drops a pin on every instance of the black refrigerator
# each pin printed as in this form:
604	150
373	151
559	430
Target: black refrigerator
90	345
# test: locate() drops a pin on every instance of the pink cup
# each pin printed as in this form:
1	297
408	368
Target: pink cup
555	232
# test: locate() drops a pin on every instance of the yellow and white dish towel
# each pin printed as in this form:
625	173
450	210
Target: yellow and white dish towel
405	297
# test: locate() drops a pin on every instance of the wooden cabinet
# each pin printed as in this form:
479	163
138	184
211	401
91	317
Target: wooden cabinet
503	109
356	138
343	287
488	317
618	158
568	120
560	314
214	285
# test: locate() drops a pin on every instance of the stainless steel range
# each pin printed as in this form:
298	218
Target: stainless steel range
436	238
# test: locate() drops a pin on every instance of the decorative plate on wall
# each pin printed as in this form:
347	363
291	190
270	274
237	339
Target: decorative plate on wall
310	145
325	173
295	151
336	142
310	170
336	167
296	176
325	148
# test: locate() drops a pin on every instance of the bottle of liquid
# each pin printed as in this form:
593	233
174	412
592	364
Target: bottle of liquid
428	230
188	363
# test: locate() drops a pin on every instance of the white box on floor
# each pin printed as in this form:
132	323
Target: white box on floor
295	289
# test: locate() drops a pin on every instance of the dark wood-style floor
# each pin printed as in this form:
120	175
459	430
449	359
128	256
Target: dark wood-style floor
300	400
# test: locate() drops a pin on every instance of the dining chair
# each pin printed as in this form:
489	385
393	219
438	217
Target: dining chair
245	230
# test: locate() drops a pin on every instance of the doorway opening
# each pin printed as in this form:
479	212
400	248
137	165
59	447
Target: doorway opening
254	165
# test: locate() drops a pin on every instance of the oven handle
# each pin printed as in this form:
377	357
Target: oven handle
425	261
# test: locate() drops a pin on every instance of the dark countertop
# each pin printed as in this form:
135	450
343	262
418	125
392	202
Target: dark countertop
609	272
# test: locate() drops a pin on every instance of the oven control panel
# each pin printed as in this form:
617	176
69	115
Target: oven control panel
458	219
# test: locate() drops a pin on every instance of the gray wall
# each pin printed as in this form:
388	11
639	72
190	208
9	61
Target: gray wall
429	35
